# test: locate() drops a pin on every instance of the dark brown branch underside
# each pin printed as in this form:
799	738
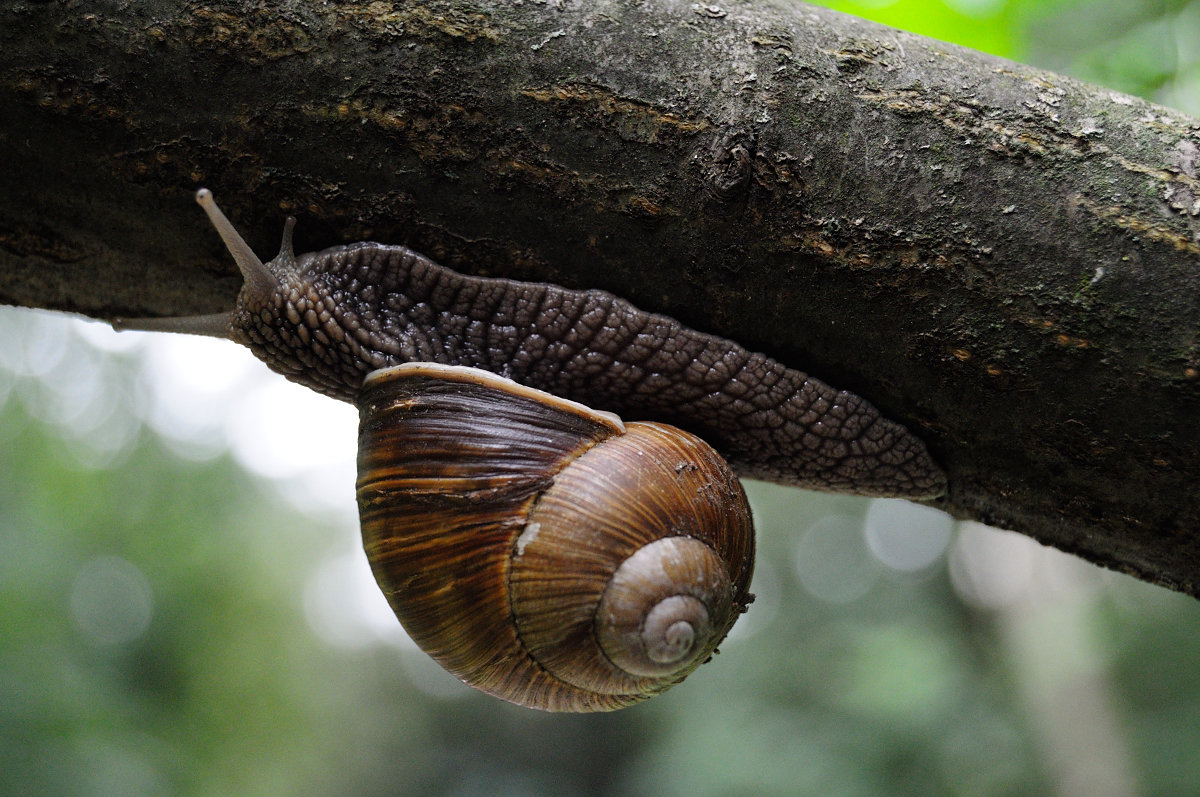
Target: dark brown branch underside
1003	259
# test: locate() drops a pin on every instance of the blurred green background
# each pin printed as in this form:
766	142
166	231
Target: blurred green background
183	608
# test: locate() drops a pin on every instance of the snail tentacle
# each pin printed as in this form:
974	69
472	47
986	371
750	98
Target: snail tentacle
260	281
215	325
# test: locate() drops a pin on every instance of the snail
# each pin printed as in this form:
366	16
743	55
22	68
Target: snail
482	464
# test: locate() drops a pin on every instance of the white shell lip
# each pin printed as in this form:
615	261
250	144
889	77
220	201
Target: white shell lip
477	376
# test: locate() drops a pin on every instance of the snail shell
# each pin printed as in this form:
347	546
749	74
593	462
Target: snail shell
542	551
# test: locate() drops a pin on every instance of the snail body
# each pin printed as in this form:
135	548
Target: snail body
543	551
326	319
624	550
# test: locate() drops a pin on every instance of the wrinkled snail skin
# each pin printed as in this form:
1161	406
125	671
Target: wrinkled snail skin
625	550
327	319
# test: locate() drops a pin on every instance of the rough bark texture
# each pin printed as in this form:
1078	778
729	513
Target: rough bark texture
1004	259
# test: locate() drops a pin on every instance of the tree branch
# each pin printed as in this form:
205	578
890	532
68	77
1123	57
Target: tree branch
1004	259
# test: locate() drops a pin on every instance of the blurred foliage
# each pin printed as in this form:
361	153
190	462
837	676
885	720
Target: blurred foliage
1150	48
154	635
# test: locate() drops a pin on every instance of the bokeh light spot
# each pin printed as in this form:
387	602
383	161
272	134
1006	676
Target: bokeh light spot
906	536
111	601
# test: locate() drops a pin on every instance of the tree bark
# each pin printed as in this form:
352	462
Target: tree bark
1004	259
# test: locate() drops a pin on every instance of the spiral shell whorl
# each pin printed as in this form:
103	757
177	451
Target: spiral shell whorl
662	608
494	517
646	517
